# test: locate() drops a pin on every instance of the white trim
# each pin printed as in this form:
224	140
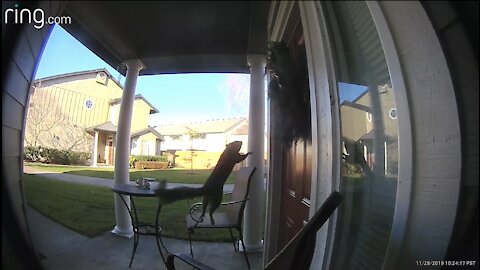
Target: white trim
325	157
274	188
253	217
393	117
95	149
272	17
405	163
385	158
281	21
122	233
273	194
87	100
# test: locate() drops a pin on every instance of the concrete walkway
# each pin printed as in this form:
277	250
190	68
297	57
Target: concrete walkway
60	248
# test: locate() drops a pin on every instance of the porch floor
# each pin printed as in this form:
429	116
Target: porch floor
61	248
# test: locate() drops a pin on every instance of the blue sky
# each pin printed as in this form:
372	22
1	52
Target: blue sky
178	97
348	91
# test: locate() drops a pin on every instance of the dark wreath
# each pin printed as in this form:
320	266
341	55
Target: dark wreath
289	89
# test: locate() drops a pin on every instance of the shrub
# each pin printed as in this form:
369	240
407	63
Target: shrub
131	161
56	156
78	157
150	158
33	153
136	158
350	168
159	165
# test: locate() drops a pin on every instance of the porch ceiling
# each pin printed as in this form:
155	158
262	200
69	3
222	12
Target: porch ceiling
172	36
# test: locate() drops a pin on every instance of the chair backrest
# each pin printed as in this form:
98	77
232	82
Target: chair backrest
298	253
241	188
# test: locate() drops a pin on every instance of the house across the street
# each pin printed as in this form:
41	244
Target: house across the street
200	144
79	111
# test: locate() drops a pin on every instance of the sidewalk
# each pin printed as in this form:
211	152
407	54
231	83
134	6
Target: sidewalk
95	181
60	248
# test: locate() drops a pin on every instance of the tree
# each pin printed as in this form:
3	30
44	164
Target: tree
40	122
237	89
48	125
191	135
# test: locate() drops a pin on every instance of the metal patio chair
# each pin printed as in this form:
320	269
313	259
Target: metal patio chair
229	215
296	255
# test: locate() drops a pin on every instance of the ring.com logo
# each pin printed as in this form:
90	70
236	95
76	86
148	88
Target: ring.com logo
25	15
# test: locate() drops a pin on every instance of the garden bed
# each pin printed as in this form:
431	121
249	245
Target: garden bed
158	165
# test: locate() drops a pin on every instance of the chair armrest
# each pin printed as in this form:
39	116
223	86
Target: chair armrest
187	259
234	202
194	208
197	205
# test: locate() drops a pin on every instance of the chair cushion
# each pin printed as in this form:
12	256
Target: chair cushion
222	220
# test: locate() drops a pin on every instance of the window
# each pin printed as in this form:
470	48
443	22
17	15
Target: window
369	148
147	148
175	137
88	104
392	113
199	136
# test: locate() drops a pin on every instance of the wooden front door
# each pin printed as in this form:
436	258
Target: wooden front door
296	182
109	152
297	157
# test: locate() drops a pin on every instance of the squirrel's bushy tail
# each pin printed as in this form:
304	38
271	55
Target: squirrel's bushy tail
178	193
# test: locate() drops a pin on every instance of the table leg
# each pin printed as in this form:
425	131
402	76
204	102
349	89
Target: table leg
135	233
158	237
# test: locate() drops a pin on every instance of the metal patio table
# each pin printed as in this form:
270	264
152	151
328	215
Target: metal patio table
139	228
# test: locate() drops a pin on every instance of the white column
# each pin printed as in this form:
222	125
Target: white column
254	215
123	223
95	149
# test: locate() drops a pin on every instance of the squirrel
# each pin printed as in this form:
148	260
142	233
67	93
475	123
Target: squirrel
212	190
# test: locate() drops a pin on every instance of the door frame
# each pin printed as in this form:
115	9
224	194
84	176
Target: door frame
326	142
277	23
326	160
326	126
109	149
325	132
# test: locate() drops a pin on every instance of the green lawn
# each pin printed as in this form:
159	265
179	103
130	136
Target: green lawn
171	175
89	210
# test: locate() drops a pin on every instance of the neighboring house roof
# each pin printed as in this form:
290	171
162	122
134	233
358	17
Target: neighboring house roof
210	126
72	74
356	106
146	131
215	126
107	127
113	101
360	96
111	128
243	130
118	100
167	130
371	136
356	99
